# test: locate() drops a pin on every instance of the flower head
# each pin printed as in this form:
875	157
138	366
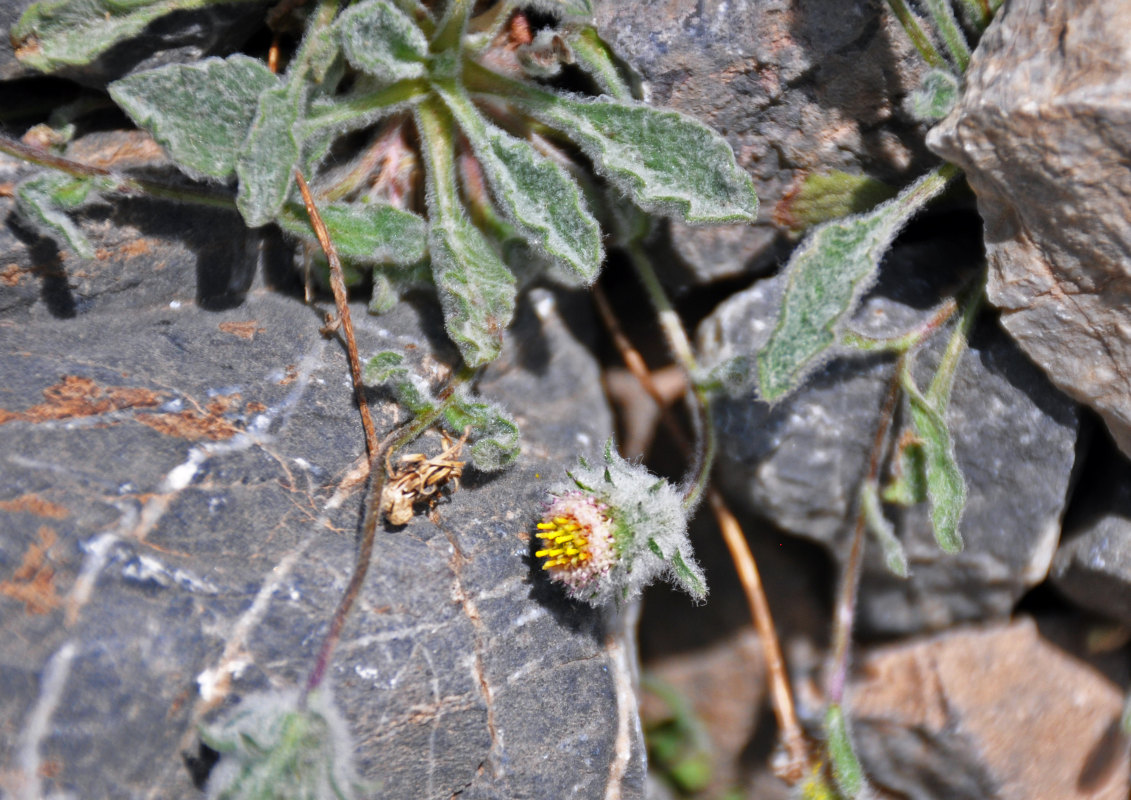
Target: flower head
613	531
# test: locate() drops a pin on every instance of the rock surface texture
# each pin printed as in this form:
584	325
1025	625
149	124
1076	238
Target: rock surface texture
994	712
1042	132
175	536
796	86
800	462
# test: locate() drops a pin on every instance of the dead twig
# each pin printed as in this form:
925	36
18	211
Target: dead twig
338	287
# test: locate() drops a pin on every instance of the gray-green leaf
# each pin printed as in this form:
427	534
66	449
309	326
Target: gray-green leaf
60	33
477	291
946	488
272	747
41	200
668	163
534	193
935	96
823	196
410	390
895	559
268	158
383	41
366	233
199	112
827	275
847	772
494	433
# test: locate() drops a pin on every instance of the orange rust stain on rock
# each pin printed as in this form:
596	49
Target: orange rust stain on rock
32	503
11	275
81	397
33	581
255	407
191	425
244	330
131	249
289	375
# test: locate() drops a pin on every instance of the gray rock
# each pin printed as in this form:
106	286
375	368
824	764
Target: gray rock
174	538
1093	563
1042	133
795	87
801	462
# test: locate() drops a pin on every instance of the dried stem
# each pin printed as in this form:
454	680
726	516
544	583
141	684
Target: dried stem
122	183
845	615
338	286
793	737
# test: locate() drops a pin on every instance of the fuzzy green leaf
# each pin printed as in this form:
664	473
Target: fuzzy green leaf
827	275
199	112
908	485
271	748
477	291
594	55
946	488
534	193
935	97
41	201
829	195
268	158
367	233
383	41
410	390
666	162
60	33
894	556
494	433
847	772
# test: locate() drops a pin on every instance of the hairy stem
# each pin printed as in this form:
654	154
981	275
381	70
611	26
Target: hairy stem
916	34
951	34
781	694
680	346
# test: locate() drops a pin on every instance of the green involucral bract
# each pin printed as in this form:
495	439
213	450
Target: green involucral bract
613	530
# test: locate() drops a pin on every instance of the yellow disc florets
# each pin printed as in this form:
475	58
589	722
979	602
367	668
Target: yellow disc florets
577	541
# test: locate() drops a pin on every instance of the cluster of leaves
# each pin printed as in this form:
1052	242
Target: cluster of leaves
826	278
493	433
278	745
503	196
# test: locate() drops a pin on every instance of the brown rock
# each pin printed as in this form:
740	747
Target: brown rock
1042	132
993	712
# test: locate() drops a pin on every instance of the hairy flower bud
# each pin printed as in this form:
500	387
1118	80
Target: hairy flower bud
613	531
